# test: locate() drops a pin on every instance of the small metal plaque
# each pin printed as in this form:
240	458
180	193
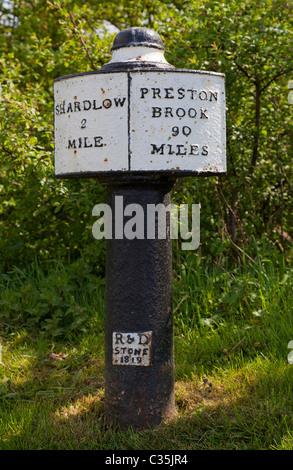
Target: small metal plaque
131	349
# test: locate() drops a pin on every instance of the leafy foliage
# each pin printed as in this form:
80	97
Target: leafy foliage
59	301
250	41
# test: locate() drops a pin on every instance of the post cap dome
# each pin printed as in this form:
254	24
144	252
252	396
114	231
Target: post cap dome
135	37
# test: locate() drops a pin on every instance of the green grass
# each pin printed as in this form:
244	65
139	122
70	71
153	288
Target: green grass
234	384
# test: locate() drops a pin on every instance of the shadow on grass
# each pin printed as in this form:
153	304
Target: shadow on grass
56	402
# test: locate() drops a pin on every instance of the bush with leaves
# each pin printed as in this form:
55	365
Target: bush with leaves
251	42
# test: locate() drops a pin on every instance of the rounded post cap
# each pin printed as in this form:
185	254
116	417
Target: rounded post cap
138	37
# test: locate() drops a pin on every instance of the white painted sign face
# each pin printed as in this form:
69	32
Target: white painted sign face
140	121
177	122
91	124
131	349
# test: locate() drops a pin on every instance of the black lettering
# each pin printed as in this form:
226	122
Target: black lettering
145	351
130	351
95	107
203	95
144	91
156	92
57	109
213	94
117	350
175	131
168	111
69	108
168	93
160	150
119	101
192	93
130	339
156	112
98	142
179	149
137	352
87	105
170	149
76	106
186	130
181	93
193	150
119	337
192	112
204	150
71	144
180	112
86	143
62	108
203	114
107	103
141	336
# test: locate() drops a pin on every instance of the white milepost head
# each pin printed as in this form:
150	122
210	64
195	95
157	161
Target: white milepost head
140	115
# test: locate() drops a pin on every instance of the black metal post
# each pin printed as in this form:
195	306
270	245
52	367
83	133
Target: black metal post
139	300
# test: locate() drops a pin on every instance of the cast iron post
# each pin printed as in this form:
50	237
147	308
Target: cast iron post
139	363
137	125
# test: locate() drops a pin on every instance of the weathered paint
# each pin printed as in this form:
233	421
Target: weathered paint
177	121
140	121
132	349
91	123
